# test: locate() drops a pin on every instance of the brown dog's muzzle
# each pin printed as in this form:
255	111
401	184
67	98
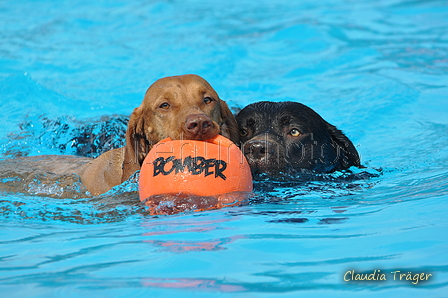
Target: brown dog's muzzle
199	127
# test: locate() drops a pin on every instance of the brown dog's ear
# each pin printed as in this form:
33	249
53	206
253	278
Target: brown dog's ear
137	144
348	153
229	126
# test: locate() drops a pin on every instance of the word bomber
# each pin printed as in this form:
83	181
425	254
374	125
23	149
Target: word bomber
194	165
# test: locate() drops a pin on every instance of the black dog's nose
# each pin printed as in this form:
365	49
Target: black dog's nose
258	150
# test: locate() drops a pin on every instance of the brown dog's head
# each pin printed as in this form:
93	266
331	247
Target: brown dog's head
180	107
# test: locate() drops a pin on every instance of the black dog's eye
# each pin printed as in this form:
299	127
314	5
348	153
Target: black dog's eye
208	100
294	132
164	106
243	132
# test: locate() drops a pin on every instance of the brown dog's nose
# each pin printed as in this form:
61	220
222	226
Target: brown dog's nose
198	125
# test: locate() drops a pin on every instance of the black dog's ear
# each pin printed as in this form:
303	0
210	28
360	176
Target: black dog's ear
348	153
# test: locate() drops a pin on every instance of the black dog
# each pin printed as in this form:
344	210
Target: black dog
289	137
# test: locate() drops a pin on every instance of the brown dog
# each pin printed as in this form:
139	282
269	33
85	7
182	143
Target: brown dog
180	107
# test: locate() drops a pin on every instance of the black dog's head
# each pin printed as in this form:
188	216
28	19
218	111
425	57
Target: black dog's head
287	137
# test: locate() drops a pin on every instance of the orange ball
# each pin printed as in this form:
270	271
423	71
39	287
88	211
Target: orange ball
202	168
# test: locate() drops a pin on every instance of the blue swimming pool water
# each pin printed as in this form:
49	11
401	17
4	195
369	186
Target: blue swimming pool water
376	69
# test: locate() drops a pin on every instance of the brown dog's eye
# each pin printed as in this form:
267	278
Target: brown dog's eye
208	100
164	105
294	132
243	132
